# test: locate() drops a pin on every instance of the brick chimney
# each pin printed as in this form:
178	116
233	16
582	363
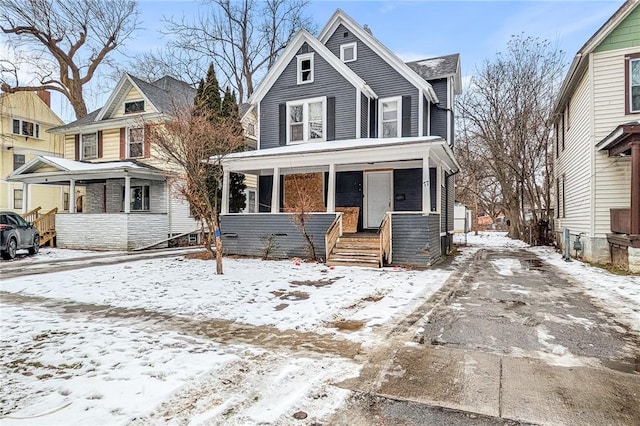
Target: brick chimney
45	95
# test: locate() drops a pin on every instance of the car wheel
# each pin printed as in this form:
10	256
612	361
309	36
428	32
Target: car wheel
36	245
12	247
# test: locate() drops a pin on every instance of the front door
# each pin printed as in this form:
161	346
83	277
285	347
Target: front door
379	188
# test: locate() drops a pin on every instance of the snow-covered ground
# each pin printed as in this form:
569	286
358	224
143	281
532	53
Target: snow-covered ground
98	345
66	363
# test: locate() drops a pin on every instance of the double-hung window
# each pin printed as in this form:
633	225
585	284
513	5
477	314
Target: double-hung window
307	120
139	198
26	128
390	117
135	142
633	81
18	161
305	68
89	146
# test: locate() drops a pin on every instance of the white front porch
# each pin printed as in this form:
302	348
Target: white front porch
375	158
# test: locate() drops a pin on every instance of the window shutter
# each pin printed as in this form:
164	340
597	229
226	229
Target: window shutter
147	142
406	116
99	143
331	118
123	144
76	139
282	123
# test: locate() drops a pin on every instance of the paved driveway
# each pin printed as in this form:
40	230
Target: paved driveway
513	339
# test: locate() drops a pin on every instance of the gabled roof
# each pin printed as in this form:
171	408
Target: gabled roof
581	60
163	95
340	17
440	67
302	37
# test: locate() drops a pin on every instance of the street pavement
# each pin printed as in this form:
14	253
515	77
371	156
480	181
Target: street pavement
509	340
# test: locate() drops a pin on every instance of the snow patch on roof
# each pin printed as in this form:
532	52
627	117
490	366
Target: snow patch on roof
72	165
432	63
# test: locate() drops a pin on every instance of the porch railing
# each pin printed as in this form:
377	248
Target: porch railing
32	215
331	236
385	239
46	226
620	221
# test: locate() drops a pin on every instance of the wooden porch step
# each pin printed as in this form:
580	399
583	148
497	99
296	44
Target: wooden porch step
356	251
365	263
357	244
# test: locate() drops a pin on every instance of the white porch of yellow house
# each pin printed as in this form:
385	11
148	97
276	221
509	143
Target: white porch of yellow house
106	222
374	158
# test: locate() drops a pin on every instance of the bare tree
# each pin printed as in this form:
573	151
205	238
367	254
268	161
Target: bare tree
62	43
186	141
301	201
243	38
506	118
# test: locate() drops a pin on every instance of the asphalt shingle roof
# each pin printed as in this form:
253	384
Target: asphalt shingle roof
433	68
166	94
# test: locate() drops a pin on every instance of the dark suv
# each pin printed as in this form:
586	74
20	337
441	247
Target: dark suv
16	233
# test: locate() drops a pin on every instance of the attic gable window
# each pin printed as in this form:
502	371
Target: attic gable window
305	68
349	52
133	107
306	120
632	69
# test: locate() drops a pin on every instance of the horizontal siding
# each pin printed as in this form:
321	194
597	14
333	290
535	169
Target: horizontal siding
575	163
327	82
180	219
117	231
110	145
133	95
612	176
415	239
248	234
438	115
385	80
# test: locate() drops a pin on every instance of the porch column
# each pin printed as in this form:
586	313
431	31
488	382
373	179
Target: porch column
331	189
426	190
127	194
25	197
226	181
635	187
72	196
275	191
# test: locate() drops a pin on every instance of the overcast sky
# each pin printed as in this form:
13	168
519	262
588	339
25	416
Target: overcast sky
421	29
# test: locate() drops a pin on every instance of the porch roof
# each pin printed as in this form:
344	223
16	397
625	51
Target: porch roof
58	171
364	153
619	141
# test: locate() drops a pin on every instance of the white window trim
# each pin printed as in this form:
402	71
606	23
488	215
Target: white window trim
82	157
305	119
301	58
255	198
398	100
345	46
129	141
131	101
630	86
36	128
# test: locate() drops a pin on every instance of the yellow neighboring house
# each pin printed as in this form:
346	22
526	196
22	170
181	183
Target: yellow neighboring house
25	118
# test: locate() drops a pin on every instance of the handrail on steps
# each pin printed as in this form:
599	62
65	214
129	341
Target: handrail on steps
32	215
46	223
331	236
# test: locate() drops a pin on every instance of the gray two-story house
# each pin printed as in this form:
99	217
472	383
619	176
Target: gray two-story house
357	142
